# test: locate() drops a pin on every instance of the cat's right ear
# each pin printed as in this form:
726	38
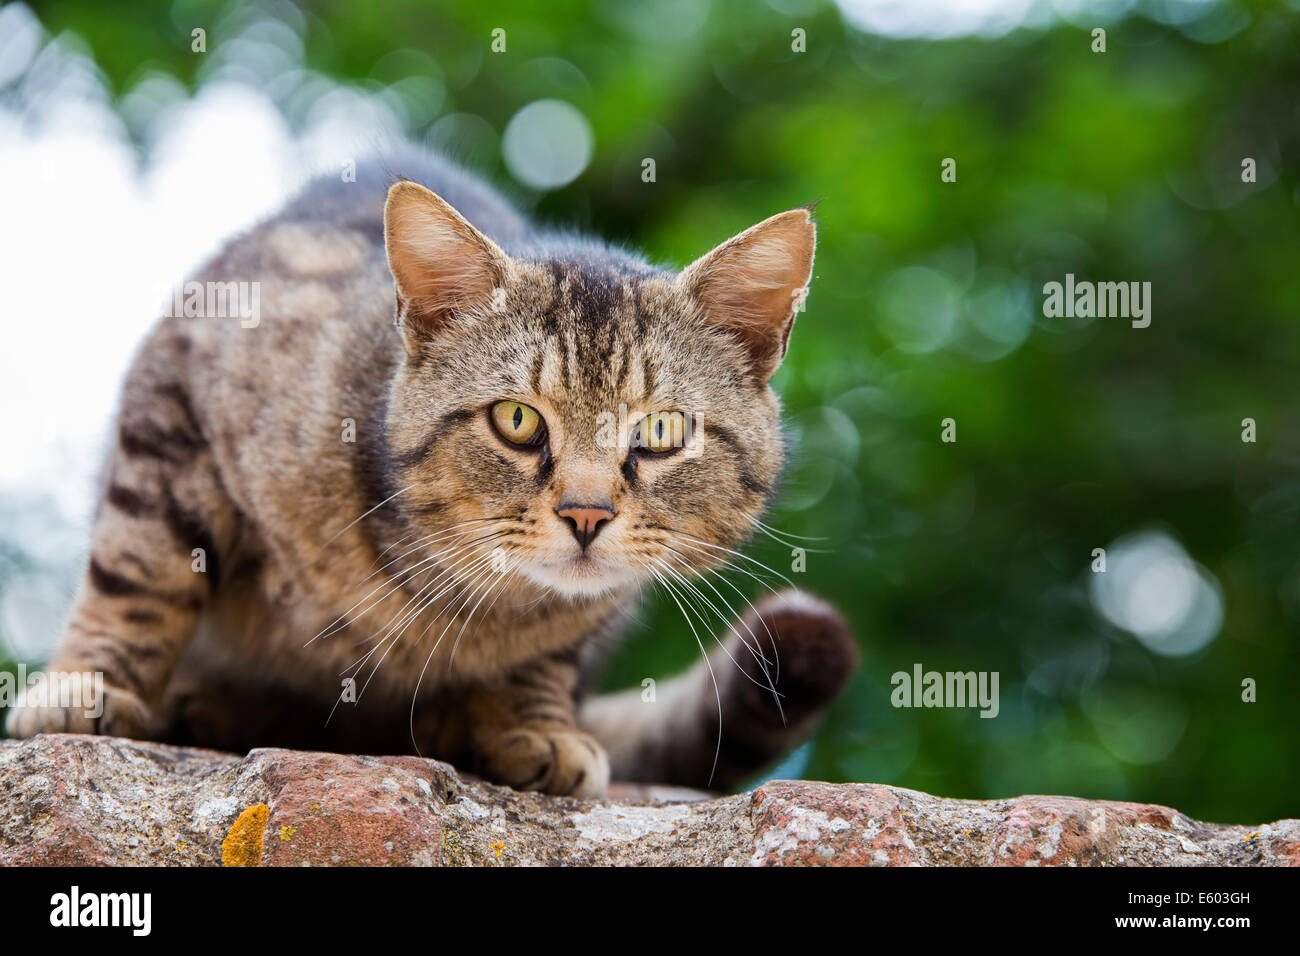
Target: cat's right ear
440	263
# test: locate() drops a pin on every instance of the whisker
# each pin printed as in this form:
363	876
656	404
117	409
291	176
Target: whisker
501	576
717	752
424	542
415	695
394	634
439	531
743	557
716	572
405	537
361	516
423	600
762	662
754	649
445	555
727	563
681	559
790	534
397	582
784	537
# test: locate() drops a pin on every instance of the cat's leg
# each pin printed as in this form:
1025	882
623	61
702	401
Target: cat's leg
779	669
523	734
162	523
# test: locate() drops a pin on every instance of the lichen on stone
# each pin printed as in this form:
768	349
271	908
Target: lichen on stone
243	844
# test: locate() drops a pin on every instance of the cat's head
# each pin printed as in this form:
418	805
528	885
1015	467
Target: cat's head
578	416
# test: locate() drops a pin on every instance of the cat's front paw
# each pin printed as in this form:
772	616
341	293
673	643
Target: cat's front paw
51	707
560	761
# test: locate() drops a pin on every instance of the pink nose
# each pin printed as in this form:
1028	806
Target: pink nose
585	521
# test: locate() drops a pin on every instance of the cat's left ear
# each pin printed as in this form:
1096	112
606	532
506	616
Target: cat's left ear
440	263
753	284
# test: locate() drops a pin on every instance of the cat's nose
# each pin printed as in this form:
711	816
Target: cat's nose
585	521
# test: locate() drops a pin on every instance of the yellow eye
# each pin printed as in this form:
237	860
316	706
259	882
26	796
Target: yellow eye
660	432
517	423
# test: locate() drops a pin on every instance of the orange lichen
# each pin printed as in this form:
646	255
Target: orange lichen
243	844
287	832
497	848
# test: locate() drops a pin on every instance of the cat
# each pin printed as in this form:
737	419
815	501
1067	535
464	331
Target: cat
408	508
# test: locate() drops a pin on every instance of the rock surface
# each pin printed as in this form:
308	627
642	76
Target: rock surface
69	799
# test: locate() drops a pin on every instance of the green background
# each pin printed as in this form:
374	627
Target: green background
974	555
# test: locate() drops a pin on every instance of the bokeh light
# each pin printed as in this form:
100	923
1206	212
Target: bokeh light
547	144
1152	589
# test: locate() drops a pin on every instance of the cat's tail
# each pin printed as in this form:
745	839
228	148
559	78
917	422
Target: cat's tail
791	641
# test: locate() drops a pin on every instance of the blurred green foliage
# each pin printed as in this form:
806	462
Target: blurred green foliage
927	305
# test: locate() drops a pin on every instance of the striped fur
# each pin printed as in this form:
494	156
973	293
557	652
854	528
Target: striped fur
323	496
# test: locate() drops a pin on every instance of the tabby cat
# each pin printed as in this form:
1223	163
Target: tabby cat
346	528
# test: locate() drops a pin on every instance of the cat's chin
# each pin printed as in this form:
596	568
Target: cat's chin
581	577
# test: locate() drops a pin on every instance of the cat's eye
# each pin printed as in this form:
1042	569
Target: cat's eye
660	432
518	424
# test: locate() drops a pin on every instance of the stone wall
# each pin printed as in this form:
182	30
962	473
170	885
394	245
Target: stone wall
70	799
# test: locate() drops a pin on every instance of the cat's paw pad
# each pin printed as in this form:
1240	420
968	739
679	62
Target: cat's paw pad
558	761
53	707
